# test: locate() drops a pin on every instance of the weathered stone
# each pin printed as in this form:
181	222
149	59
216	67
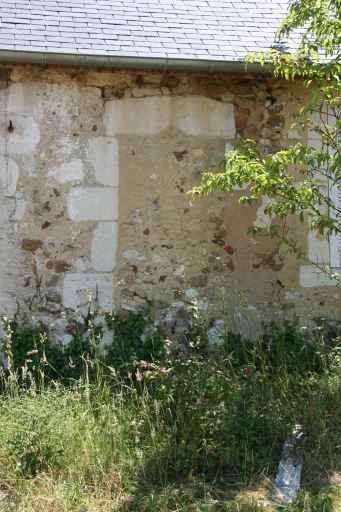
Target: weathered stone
192	294
197	115
103	154
93	203
144	116
312	277
8	265
53	295
216	333
79	289
133	257
24	136
31	245
62	126
17	214
60	266
9	175
69	171
23	98
104	247
58	332
318	249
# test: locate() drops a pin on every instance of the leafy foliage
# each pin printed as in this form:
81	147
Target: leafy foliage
130	337
300	179
135	338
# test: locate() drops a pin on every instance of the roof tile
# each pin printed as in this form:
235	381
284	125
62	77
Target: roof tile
211	29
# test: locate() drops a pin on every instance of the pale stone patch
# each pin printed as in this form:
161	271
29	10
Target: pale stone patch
24	98
262	219
9	175
180	271
81	264
19	210
216	333
318	249
191	294
68	171
79	287
64	147
140	116
311	277
201	116
292	295
58	332
8	265
194	115
104	247
103	154
294	134
93	203
133	257
25	135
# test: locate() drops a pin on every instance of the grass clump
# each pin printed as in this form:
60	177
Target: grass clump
161	425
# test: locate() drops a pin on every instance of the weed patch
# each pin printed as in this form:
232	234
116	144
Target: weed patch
168	425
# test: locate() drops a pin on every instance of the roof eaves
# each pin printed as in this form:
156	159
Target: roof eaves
108	61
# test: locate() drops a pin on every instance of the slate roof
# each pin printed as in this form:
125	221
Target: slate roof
211	30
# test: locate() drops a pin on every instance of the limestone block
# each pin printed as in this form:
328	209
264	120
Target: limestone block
103	154
19	210
93	203
104	247
311	277
318	249
69	171
23	98
140	116
78	287
24	137
9	175
8	265
197	115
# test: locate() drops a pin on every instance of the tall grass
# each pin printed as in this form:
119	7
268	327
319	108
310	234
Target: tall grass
187	428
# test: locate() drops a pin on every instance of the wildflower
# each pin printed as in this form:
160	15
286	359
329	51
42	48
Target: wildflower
248	372
229	249
71	328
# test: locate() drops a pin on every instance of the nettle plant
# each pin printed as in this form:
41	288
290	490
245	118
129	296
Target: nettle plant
303	179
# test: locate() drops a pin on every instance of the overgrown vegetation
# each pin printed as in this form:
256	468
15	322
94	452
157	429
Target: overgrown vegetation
166	425
302	178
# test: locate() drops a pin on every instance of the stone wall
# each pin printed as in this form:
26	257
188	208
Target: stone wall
94	170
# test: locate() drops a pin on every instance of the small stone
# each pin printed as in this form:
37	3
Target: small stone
216	333
53	295
106	341
134	257
61	266
31	245
191	294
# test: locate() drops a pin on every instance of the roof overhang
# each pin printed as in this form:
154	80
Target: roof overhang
107	61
